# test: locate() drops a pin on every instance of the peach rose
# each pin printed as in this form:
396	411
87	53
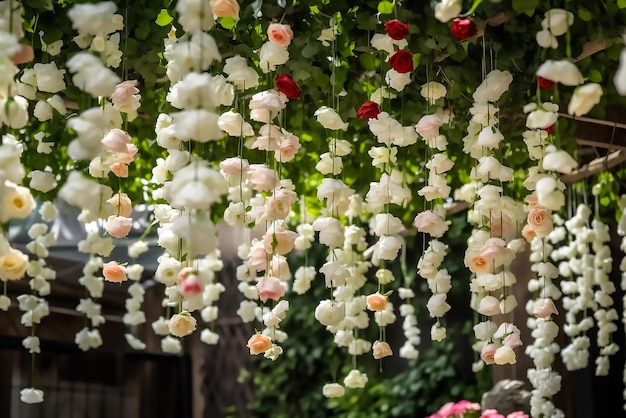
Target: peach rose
122	206
13	265
114	272
488	352
280	34
279	240
24	55
182	274
270	288
540	221
257	257
476	263
182	324
381	349
494	249
376	302
128	156
428	126
118	226
225	8
528	232
259	343
512	340
120	170
544	308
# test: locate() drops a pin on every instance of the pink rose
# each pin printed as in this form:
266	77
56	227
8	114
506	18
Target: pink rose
289	146
118	226
428	126
464	406
122	96
257	256
270	288
431	223
544	308
280	34
234	166
512	340
262	178
190	285
122	206
278	205
488	352
116	140
493	249
491	413
517	414
114	272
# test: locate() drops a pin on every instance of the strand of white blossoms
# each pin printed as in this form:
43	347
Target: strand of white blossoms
576	270
606	314
186	230
344	313
621	231
432	221
493	243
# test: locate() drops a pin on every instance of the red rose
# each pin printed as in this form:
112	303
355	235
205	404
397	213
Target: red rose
286	85
402	61
396	29
463	28
545	84
368	110
550	129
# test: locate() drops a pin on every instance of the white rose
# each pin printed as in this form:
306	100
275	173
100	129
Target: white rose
42	111
504	355
432	91
18	202
271	56
197	125
620	75
437	333
31	395
564	72
447	10
397	81
329	313
242	76
355	379
437	305
330	119
490	137
333	390
14	111
383	42
584	98
49	77
234	125
171	345
559	161
493	86
193	16
557	21
546	39
43	181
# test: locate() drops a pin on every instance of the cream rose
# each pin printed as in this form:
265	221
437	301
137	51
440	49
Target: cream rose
381	349
333	390
182	324
584	98
13	265
18	202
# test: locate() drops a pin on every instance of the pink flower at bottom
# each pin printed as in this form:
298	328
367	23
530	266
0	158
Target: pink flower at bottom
491	413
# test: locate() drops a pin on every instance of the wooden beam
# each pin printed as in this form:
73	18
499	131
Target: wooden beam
596	166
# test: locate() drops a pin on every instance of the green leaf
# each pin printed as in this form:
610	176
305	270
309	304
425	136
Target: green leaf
525	6
164	18
227	22
584	14
595	76
385	7
621	4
